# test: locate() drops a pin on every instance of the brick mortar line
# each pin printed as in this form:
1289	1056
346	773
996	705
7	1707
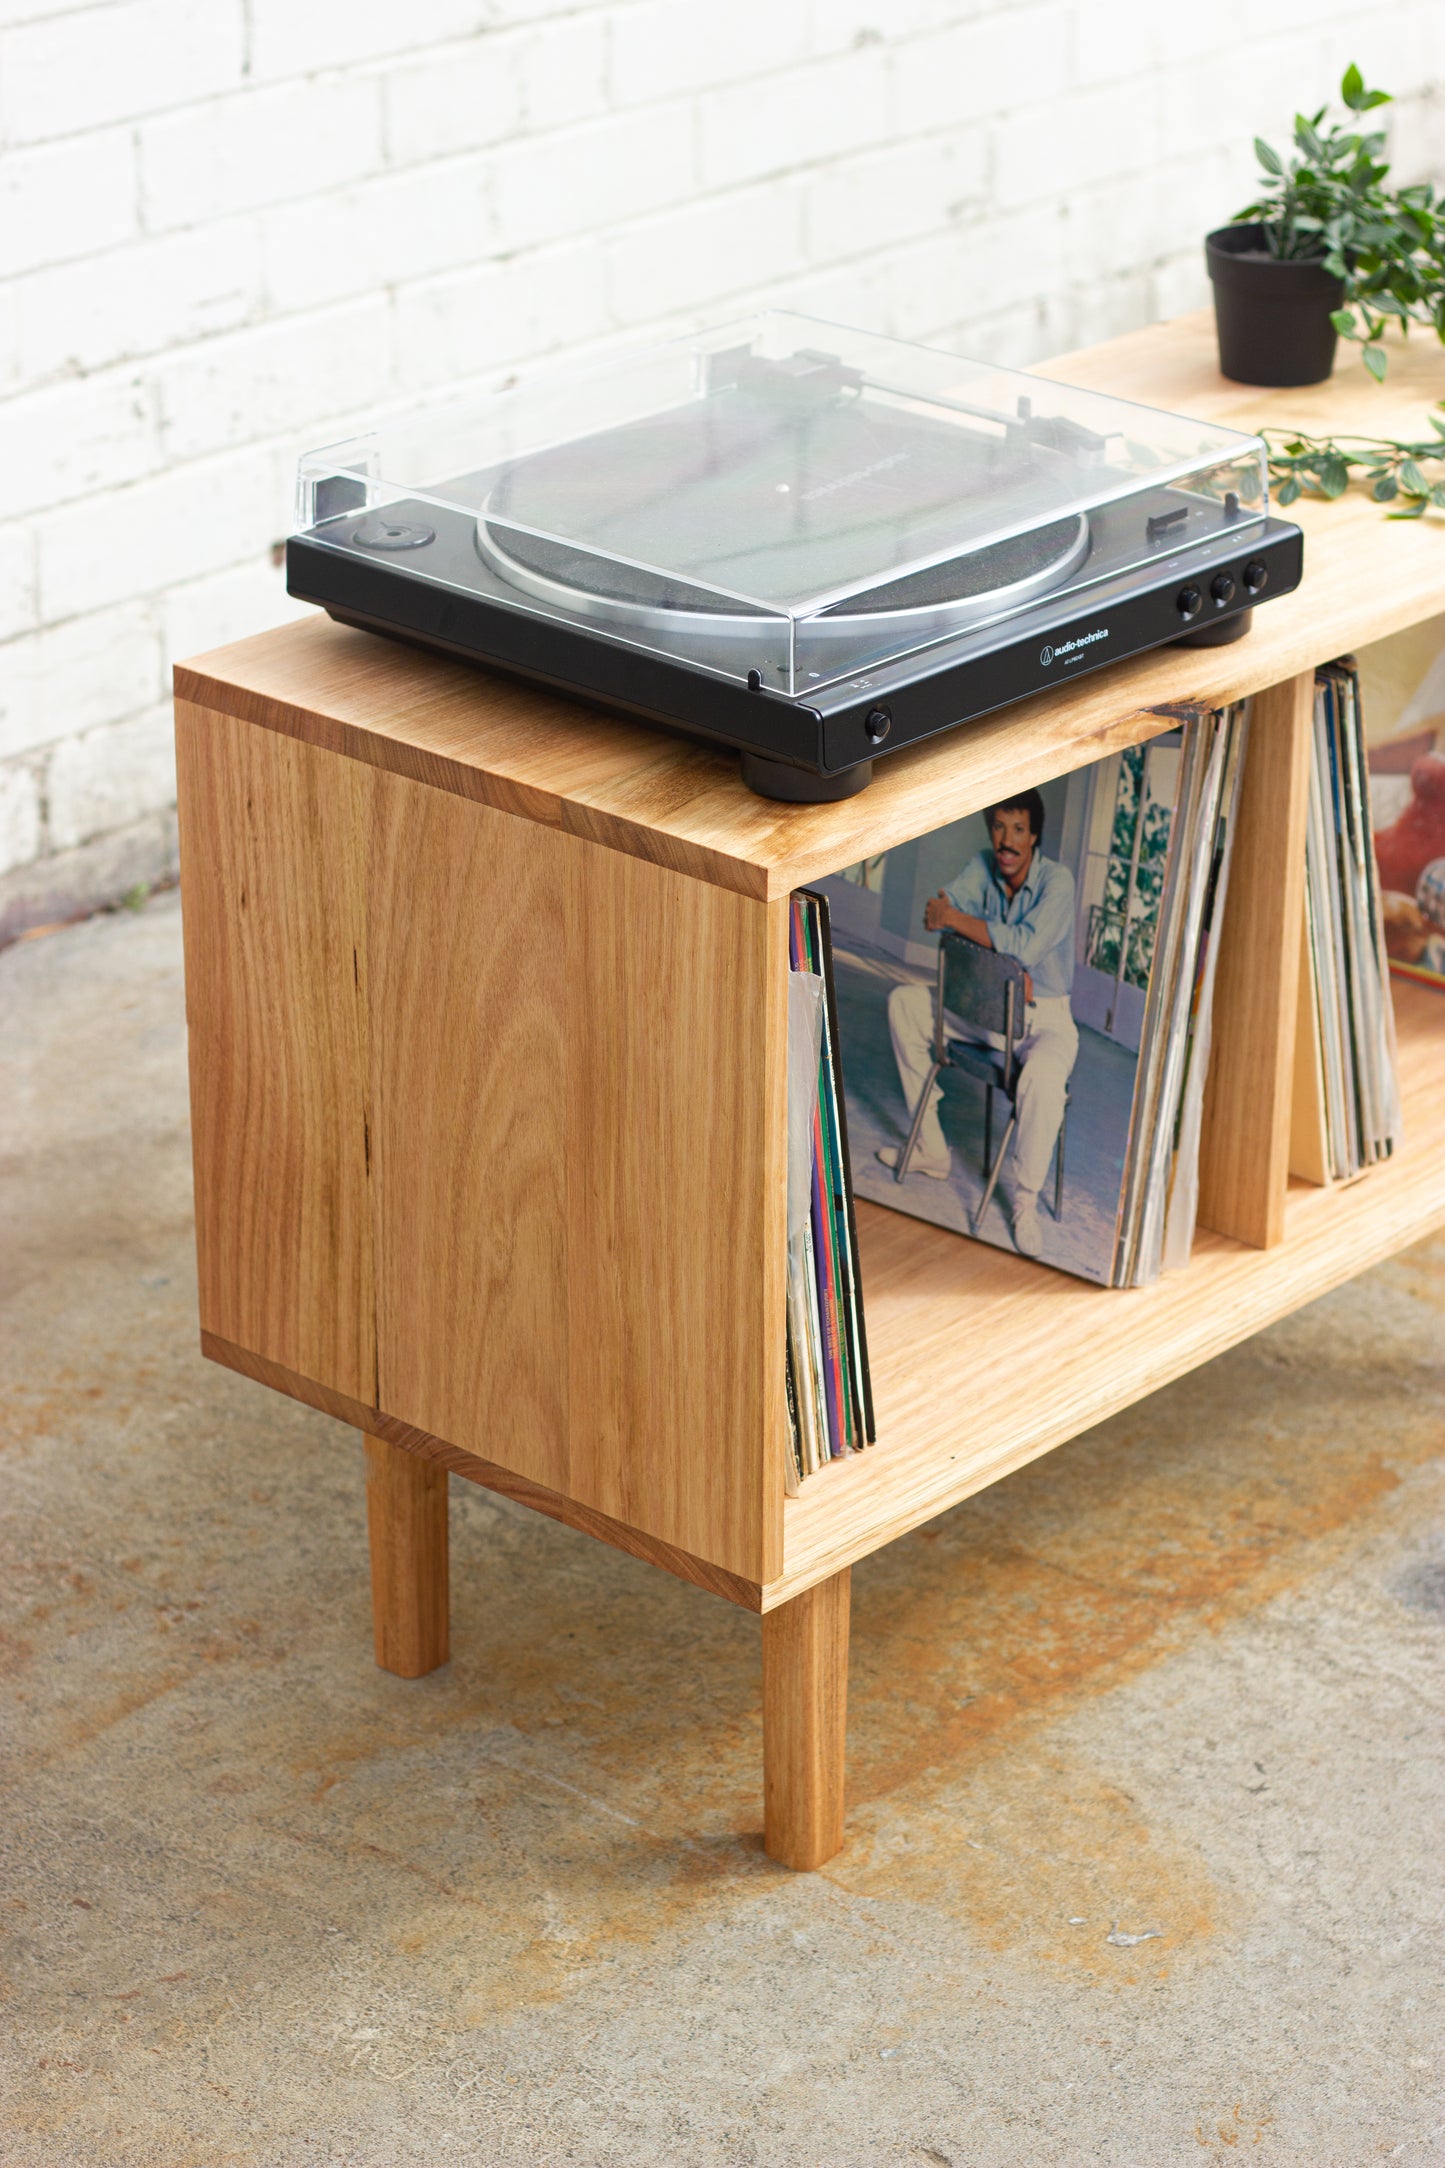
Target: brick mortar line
378	67
266	317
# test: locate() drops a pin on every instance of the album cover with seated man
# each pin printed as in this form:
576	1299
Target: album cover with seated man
1075	883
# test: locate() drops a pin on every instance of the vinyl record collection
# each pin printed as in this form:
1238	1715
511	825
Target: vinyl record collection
1026	998
830	1409
1160	1192
1345	1051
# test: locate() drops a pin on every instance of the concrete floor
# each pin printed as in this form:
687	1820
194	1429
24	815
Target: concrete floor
264	1904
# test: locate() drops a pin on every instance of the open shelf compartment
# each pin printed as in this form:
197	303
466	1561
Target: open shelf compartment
1062	1355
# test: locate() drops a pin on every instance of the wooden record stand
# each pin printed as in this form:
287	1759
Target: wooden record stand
487	1002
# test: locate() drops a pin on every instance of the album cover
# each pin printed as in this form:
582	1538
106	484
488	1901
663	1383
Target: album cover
1402	696
1098	884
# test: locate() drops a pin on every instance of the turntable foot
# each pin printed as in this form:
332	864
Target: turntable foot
1217	635
803	786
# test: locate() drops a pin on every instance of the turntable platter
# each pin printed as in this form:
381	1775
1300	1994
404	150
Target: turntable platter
965	590
783	502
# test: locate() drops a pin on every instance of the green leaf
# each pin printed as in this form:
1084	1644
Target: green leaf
1385	489
1409	511
1343	321
1269	159
1288	491
1437	496
1352	88
1334	476
1412	478
1377	361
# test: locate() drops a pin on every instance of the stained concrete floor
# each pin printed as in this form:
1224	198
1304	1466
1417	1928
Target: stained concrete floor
263	1904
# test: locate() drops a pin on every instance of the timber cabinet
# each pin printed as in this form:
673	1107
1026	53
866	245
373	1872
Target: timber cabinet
487	998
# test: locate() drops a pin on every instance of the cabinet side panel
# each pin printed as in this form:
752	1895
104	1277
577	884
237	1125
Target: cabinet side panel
468	1066
272	837
675	1207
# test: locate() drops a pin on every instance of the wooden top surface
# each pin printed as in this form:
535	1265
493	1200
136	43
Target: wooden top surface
551	759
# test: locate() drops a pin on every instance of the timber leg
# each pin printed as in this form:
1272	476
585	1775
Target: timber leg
805	1719
406	1515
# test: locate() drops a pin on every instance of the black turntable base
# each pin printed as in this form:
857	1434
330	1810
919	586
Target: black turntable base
811	555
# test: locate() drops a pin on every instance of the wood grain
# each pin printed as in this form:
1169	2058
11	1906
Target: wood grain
700	1572
676	1206
468	1064
272	870
1245	1142
567	764
406	1519
480	735
805	1721
489	1132
953	1327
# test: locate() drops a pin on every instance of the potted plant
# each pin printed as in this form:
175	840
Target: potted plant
1327	249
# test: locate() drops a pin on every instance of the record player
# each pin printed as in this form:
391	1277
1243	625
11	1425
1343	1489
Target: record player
810	544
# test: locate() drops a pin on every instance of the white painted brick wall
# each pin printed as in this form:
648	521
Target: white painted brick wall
233	228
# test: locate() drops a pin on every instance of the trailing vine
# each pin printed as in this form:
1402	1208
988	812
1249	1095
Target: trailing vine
1397	473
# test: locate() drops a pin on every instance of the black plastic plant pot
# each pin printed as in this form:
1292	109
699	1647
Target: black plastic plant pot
1272	315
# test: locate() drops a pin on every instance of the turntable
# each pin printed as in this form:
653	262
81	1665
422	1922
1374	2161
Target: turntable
811	544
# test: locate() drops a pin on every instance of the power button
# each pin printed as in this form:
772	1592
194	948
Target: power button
1188	601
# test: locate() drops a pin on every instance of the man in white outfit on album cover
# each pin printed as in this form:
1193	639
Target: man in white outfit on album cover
1013	899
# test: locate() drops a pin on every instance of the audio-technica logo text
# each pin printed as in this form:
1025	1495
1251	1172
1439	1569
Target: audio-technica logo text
1072	649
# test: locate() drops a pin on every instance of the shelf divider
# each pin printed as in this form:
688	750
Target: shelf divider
1245	1146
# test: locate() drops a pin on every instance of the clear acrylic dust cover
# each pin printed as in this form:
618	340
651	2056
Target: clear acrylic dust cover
781	499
